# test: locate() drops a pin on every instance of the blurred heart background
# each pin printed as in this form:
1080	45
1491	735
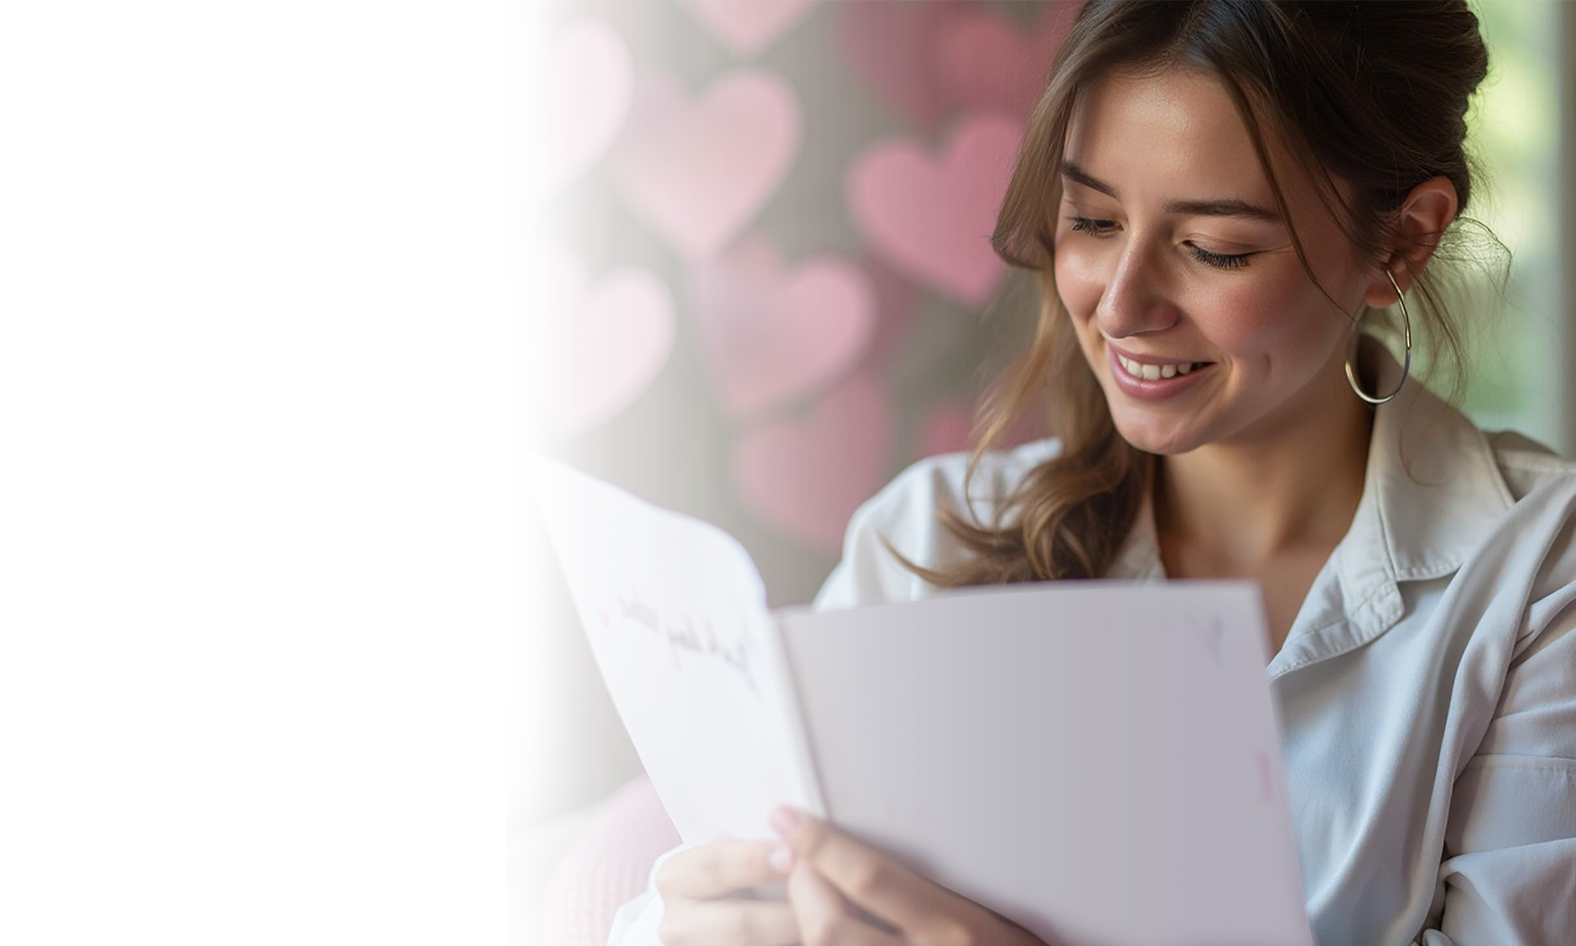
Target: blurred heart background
773	264
767	283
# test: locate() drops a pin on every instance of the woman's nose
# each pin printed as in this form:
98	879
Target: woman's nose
1135	301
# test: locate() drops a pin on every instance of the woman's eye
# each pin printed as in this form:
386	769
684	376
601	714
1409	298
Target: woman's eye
1220	260
1217	260
1093	226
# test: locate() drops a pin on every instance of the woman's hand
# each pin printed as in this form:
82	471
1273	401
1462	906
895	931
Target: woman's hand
697	885
836	881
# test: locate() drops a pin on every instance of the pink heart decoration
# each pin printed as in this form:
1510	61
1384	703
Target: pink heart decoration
747	28
697	173
591	59
987	63
892	45
769	336
895	294
932	217
806	477
599	347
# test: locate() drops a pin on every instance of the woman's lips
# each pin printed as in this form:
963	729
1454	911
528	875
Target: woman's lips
1157	389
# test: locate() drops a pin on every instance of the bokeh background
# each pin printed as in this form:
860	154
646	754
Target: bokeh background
764	286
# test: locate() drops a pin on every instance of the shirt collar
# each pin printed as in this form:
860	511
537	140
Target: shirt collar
1431	494
1433	481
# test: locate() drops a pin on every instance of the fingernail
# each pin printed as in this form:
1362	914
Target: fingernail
781	860
785	820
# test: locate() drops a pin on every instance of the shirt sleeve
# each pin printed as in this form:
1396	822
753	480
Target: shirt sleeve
1509	873
636	922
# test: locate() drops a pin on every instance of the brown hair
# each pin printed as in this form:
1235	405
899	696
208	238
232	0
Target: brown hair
1374	94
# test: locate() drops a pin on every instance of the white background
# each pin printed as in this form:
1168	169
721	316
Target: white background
261	441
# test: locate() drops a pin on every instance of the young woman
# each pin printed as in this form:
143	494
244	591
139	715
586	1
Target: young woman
1215	196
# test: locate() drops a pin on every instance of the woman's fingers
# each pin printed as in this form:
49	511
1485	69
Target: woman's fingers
872	880
717	869
737	922
825	916
834	874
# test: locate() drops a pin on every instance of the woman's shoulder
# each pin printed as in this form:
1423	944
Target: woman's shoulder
908	502
1528	466
1541	517
942	477
904	512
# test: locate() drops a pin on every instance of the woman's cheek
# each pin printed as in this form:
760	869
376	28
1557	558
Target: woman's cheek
1229	317
1232	316
1077	282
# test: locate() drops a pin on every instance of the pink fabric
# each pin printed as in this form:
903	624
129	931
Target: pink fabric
608	864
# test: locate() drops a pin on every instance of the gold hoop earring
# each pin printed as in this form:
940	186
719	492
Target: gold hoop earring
1351	349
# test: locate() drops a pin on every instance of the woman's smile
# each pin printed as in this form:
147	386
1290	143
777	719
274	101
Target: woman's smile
1154	380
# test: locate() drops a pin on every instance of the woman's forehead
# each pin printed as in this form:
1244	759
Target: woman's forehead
1175	135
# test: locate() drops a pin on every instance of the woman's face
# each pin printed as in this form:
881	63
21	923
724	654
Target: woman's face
1161	258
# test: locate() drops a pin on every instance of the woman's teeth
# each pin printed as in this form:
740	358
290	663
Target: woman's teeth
1156	372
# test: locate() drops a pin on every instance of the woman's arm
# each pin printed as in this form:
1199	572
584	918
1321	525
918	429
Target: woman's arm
1509	873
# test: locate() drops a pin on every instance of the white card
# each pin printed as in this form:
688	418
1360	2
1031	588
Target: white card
1098	761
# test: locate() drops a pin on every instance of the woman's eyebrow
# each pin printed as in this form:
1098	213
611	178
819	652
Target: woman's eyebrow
1223	207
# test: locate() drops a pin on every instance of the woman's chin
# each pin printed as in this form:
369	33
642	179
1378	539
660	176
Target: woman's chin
1167	440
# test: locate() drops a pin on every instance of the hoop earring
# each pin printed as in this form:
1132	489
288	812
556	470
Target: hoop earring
1351	349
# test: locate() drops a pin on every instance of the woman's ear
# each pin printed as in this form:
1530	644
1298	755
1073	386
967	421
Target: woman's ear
1427	210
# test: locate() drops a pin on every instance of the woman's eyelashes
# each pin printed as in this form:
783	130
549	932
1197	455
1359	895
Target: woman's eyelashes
1098	228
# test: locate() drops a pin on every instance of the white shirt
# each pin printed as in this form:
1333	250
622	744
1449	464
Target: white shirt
1427	686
